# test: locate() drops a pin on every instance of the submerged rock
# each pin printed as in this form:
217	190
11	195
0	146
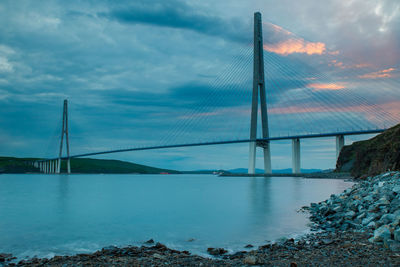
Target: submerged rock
216	251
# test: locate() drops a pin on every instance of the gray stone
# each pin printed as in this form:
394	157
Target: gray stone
387	218
369	198
369	218
381	233
396	189
350	214
250	260
158	256
337	208
397	234
362	216
371	225
392	245
383	201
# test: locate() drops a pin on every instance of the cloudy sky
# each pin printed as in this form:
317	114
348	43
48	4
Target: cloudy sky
139	73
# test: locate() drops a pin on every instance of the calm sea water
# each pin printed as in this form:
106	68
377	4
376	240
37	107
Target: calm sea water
47	215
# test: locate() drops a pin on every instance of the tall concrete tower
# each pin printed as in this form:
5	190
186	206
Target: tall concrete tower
64	131
259	86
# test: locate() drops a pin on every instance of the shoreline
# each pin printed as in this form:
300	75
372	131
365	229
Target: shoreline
331	245
342	248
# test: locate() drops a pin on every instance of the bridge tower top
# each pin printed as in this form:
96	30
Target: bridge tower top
258	87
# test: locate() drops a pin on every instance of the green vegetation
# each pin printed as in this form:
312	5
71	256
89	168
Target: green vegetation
111	166
16	165
20	165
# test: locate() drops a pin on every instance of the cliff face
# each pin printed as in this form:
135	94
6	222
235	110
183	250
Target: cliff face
373	156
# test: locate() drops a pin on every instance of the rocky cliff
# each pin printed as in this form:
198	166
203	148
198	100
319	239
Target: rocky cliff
373	156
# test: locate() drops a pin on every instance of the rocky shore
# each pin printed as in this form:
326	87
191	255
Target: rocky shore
359	227
372	205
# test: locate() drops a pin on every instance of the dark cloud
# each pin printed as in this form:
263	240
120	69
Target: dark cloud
141	72
179	15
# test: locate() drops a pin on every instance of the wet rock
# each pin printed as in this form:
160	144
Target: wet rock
216	251
249	246
160	247
150	241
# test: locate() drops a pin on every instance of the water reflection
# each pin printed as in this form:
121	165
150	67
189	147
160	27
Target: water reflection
76	213
62	197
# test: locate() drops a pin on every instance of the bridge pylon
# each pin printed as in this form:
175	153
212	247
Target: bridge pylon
64	131
259	87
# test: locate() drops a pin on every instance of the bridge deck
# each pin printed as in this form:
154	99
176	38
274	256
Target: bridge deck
226	142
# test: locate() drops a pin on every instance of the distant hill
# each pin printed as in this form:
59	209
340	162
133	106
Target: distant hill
84	165
16	165
370	157
113	166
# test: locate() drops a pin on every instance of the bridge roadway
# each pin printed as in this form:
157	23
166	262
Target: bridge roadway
52	165
289	137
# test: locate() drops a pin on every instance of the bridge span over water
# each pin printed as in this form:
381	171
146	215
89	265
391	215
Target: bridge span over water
53	165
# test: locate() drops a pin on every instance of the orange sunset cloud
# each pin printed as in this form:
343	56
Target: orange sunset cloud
341	65
391	108
378	74
325	86
291	46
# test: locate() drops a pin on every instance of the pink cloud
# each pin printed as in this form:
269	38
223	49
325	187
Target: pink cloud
291	46
286	42
386	73
391	108
341	65
326	86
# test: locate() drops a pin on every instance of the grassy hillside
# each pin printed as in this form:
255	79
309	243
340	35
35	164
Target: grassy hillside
372	156
19	165
16	165
111	166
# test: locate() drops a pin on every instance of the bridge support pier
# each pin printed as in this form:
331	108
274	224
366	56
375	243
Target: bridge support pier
58	165
252	158
339	145
68	166
267	159
296	155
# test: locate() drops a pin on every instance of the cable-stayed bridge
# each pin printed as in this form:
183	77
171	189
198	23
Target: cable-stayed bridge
281	90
